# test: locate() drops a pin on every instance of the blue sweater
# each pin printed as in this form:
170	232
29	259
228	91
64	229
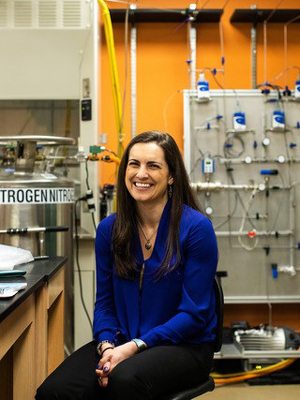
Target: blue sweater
179	307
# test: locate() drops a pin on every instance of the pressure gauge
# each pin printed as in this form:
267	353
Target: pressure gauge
248	160
281	159
209	210
261	187
266	141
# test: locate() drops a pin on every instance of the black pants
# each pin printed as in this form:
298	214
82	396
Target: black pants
148	375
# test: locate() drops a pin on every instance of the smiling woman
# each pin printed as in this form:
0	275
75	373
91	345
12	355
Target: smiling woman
147	179
156	260
154	158
147	174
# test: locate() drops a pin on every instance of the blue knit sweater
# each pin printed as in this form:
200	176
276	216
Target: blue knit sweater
178	308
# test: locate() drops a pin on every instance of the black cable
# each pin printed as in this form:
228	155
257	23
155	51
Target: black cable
230	175
94	222
280	203
79	268
274	87
195	165
77	246
229	152
222	223
230	215
288	158
87	175
202	155
88	188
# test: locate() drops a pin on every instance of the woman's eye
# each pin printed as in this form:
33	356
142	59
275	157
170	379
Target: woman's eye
133	163
153	166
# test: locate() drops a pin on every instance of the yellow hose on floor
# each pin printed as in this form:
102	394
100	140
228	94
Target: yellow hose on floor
242	376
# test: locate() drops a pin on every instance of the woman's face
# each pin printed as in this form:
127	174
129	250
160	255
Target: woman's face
147	173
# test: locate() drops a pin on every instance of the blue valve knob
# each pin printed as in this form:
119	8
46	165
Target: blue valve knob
269	172
274	271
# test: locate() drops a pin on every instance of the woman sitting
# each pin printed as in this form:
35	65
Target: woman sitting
156	258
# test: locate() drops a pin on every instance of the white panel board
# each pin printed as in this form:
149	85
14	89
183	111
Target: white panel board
208	130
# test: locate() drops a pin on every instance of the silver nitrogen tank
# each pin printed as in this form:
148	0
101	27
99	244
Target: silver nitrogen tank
31	200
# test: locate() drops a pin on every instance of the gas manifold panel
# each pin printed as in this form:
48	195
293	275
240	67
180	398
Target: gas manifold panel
242	154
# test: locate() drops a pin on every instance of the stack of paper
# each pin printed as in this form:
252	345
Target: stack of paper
9	289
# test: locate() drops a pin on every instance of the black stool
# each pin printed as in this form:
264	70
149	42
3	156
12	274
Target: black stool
209	384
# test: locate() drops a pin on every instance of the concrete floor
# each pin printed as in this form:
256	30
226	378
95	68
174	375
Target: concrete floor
245	392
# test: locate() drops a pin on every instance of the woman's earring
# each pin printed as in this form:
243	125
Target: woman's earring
170	191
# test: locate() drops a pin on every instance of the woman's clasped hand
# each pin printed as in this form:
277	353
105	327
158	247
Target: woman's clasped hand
112	357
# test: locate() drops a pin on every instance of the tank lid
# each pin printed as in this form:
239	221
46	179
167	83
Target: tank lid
39	139
8	176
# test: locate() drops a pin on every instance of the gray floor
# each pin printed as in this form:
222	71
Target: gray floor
245	392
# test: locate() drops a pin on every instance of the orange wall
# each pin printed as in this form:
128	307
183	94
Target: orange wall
162	51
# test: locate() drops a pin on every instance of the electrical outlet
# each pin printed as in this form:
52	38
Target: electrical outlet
102	138
86	88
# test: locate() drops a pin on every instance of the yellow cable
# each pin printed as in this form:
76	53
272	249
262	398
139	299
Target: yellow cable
255	374
256	371
111	158
114	73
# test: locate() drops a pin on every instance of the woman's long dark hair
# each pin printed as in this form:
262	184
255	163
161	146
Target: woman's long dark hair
125	226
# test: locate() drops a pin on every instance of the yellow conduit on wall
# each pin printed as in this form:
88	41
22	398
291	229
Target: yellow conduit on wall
114	73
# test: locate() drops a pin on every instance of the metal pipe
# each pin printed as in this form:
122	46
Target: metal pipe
204	127
258	160
243	132
133	72
253	57
188	117
254	216
61	158
193	42
257	233
39	138
262	247
20	231
216	186
292	226
42	243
